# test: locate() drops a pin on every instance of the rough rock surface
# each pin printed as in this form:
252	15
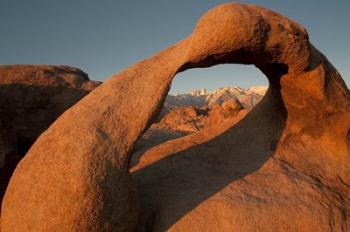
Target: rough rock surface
182	121
152	137
228	109
80	164
31	98
191	119
187	119
38	95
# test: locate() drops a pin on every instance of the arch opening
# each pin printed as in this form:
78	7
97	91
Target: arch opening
202	163
217	76
271	70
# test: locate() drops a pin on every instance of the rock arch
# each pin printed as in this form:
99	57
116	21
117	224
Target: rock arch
75	176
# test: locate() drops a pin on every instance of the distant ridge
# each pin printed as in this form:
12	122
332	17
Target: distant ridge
199	98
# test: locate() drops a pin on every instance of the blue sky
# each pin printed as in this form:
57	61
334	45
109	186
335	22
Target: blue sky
103	37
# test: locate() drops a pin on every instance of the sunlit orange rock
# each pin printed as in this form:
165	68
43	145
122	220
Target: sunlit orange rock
285	166
191	119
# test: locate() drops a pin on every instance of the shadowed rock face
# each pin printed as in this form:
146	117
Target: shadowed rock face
80	164
8	156
31	98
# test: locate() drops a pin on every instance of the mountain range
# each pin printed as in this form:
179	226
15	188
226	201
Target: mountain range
201	98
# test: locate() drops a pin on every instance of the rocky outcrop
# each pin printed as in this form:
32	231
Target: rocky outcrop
220	113
188	119
31	98
38	95
191	119
80	164
182	121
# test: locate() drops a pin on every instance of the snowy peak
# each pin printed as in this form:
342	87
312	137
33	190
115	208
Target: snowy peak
199	92
203	98
259	89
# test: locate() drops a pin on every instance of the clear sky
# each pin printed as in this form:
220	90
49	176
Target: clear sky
103	37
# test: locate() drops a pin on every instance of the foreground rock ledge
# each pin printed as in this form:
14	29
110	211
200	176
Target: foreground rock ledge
75	177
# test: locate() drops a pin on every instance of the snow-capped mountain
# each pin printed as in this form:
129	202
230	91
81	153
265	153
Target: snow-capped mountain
202	98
